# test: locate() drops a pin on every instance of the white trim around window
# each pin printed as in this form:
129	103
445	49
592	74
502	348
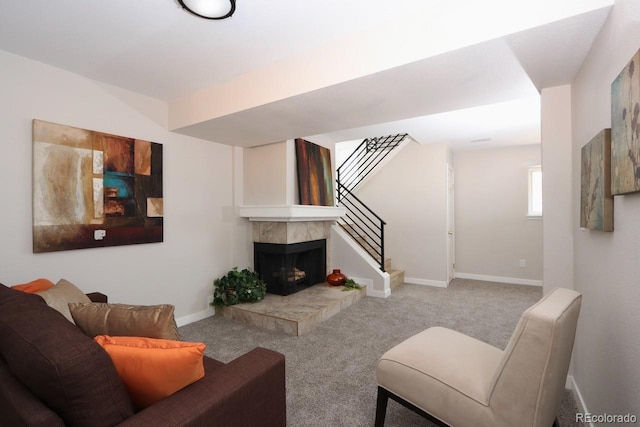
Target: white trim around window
535	192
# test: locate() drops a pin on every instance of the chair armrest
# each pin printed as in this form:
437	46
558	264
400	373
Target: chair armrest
97	297
248	391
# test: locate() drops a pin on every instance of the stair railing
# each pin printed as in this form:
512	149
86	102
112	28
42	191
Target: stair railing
362	224
359	221
364	159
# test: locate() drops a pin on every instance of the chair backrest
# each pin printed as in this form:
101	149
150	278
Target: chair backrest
530	381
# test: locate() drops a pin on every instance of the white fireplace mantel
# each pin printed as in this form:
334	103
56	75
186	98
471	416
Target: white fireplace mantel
291	213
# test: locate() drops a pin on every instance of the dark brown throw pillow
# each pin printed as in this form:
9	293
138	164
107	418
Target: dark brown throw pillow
64	368
151	321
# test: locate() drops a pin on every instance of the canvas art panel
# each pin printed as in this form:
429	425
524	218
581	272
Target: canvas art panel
625	129
315	178
596	201
92	189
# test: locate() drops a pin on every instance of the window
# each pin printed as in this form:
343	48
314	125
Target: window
535	191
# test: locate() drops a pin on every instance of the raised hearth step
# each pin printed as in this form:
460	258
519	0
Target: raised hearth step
297	313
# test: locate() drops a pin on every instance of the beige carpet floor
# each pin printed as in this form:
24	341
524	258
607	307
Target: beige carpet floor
331	370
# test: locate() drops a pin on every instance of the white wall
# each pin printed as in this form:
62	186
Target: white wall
242	229
270	173
557	174
198	224
607	265
492	230
410	194
266	175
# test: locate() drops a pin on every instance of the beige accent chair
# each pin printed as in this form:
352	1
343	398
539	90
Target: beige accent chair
453	379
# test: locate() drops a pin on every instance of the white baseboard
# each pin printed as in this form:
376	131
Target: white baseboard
378	294
582	406
499	279
190	318
426	282
370	292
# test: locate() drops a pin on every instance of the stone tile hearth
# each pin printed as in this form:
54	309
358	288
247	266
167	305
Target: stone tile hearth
294	314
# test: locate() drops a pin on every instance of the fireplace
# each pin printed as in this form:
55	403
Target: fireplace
289	268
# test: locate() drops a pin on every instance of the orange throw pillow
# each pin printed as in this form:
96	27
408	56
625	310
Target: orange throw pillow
37	285
151	368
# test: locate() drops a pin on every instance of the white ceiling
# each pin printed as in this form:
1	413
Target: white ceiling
448	70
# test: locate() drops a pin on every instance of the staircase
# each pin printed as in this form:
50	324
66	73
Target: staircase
396	276
363	225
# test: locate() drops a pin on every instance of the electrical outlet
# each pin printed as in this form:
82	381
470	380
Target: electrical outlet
523	263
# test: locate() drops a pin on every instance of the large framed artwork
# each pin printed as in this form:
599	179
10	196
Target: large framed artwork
625	129
315	178
596	201
92	189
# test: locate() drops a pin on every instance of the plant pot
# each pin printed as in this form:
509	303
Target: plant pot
336	278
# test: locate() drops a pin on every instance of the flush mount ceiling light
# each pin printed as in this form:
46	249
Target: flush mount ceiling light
209	9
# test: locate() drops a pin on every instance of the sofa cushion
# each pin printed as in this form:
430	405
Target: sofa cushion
19	407
152	321
153	369
59	297
60	365
33	286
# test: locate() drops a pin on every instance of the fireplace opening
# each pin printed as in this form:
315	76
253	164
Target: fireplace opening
289	268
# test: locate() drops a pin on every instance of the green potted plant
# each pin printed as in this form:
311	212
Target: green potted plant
238	287
350	285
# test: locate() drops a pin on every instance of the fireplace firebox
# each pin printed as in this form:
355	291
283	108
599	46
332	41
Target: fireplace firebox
289	268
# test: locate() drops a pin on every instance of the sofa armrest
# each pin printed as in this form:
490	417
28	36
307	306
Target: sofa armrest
97	297
248	391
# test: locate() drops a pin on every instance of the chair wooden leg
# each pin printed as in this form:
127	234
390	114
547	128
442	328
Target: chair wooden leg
381	406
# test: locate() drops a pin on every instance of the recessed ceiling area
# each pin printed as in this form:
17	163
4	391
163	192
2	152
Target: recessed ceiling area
496	125
443	71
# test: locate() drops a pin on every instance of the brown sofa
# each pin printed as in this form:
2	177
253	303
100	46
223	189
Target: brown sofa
51	374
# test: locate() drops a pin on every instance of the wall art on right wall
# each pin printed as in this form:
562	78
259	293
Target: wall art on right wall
625	129
596	201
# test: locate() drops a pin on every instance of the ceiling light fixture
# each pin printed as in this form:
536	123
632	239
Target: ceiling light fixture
209	9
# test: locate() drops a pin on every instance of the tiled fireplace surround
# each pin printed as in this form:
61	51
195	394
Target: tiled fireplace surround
291	232
298	313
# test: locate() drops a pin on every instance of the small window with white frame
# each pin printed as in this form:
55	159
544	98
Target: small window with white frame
535	191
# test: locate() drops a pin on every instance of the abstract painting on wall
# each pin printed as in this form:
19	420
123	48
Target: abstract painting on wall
92	189
315	179
625	129
596	201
